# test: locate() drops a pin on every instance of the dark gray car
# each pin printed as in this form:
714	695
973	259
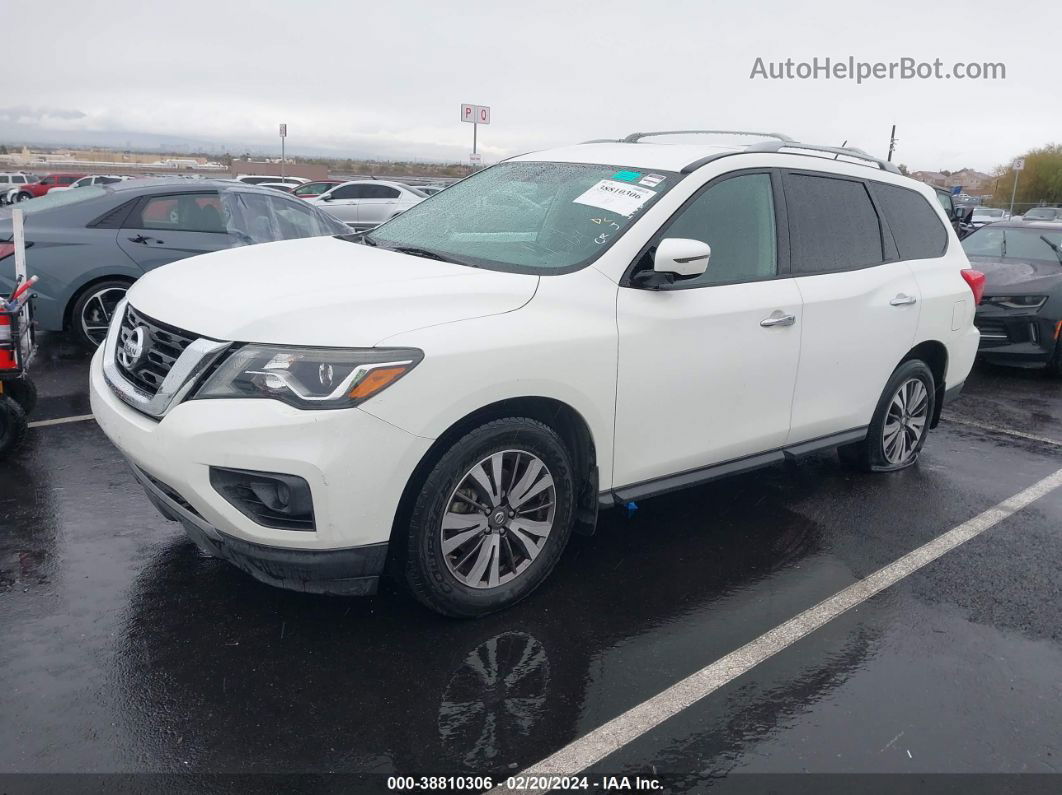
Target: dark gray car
88	245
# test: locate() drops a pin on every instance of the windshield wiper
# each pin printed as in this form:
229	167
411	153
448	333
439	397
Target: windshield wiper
427	253
1054	248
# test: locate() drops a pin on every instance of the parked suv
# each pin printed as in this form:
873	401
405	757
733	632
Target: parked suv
37	189
11	184
565	331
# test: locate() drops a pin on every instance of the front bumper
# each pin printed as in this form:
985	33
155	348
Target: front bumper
345	572
356	466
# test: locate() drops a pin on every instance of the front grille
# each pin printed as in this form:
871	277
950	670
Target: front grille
163	346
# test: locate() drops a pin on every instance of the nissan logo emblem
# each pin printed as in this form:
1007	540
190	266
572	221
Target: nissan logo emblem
133	348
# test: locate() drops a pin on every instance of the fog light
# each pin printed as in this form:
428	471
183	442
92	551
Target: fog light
269	498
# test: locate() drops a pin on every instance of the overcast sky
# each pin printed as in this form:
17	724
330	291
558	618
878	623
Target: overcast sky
386	78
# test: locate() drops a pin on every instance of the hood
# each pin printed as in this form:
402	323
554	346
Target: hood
321	291
1018	275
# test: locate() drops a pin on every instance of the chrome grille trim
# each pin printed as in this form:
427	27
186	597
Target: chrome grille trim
175	382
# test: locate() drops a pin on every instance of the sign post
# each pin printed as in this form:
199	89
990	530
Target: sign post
283	159
1019	166
475	115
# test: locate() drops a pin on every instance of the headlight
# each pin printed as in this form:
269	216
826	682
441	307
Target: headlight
1016	301
309	378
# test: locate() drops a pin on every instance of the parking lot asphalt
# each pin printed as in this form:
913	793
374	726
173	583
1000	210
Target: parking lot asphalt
124	650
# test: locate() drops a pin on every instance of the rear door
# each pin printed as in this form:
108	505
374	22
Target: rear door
861	302
165	228
378	204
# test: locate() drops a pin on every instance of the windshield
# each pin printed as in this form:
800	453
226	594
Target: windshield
1008	243
60	198
1044	214
987	212
528	216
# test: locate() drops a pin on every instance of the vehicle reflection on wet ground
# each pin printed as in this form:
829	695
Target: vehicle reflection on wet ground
125	650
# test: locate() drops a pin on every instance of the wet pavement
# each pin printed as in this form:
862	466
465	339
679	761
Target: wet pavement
123	650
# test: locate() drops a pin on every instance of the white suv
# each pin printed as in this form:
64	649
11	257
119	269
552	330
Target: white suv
566	331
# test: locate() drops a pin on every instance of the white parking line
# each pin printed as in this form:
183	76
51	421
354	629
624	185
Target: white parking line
632	724
998	429
60	421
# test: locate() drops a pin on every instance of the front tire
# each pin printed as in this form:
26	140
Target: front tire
22	391
13	424
491	519
94	309
901	421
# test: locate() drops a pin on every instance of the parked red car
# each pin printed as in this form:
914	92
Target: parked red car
35	189
312	190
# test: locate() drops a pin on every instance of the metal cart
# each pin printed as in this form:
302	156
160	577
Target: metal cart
18	395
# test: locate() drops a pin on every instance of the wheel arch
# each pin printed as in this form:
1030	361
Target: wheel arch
935	354
558	415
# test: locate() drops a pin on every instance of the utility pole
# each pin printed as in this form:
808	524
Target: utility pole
892	142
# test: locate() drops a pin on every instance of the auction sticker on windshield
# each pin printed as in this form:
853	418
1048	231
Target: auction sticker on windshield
615	196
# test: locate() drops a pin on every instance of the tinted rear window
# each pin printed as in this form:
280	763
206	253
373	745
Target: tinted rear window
832	224
916	228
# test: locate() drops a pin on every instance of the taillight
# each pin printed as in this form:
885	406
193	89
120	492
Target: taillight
6	250
976	280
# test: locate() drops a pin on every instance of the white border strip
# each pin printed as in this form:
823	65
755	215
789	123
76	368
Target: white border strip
61	421
632	724
999	429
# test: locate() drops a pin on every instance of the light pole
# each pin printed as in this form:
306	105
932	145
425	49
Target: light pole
1019	165
283	159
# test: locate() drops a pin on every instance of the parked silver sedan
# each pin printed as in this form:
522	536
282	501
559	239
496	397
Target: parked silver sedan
367	203
89	245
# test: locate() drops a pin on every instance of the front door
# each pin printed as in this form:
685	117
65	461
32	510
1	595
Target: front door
707	366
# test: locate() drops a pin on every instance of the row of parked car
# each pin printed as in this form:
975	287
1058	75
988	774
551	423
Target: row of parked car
361	204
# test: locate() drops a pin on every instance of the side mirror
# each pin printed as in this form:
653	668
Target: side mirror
681	256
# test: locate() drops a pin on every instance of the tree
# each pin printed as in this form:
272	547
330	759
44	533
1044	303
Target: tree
1040	181
903	169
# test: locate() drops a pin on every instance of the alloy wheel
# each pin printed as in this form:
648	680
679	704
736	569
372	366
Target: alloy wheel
97	312
498	519
905	422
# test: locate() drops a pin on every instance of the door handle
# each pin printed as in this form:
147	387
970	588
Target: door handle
903	300
778	318
143	240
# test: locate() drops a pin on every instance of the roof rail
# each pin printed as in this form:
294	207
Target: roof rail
633	138
777	147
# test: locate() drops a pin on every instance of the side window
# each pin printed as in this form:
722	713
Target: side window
189	212
736	218
48	181
67	180
380	192
833	225
915	225
349	192
4	179
295	219
310	187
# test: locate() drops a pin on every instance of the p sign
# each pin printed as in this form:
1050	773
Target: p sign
475	114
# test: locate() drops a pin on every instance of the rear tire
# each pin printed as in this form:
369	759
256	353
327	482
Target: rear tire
94	309
900	424
492	518
1054	364
13	425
